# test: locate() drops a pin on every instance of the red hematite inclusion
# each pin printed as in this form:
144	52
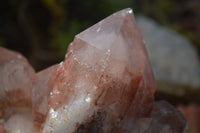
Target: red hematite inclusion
104	85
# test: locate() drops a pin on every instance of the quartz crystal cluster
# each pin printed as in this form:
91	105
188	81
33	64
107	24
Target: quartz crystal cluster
104	85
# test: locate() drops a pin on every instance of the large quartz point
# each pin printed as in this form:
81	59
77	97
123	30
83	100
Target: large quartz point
15	77
42	85
105	82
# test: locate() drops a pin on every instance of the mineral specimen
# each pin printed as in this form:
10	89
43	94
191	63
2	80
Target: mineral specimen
15	78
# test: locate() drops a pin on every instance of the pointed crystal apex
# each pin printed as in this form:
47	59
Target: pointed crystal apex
118	36
103	34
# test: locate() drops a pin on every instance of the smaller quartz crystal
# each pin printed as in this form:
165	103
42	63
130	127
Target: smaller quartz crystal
15	77
42	86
